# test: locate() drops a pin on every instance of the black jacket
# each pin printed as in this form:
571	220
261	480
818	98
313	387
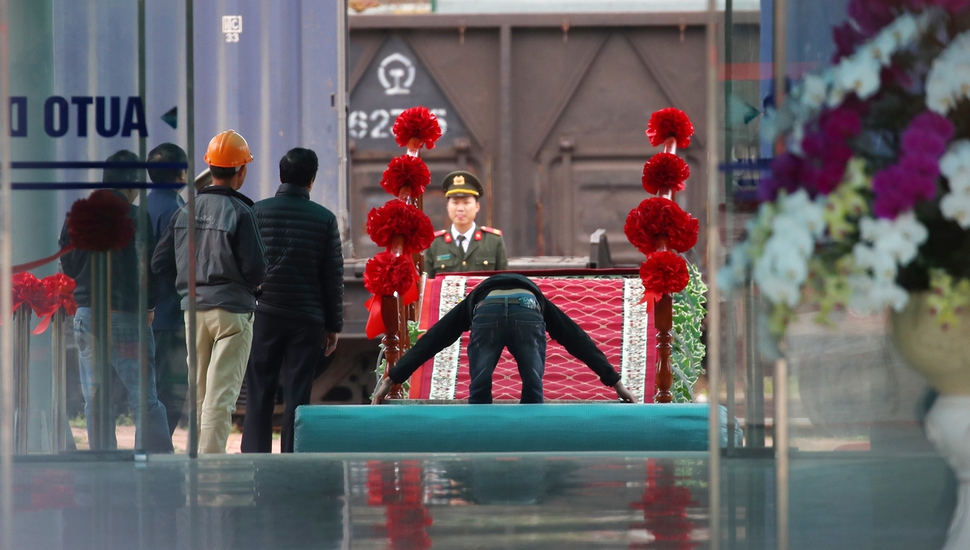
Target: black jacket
76	264
305	272
450	327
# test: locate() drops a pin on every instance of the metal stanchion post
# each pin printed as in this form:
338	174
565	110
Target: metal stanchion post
58	433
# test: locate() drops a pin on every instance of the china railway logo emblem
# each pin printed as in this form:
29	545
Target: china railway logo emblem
396	74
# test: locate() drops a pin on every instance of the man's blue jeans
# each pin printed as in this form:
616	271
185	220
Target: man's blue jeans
506	324
124	360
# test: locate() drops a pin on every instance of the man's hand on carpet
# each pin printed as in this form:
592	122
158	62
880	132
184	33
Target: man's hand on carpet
382	390
624	394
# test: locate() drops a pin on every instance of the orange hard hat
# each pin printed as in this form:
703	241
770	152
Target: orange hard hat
228	150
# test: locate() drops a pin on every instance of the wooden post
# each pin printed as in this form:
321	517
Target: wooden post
663	320
664	317
391	313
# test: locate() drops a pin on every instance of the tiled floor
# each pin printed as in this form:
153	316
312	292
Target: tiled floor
838	501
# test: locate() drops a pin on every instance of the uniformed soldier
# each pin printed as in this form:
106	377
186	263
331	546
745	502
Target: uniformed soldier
466	246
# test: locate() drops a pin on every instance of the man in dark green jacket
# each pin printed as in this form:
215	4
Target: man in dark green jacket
300	310
505	310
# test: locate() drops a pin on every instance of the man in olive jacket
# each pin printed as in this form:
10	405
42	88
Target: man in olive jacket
300	310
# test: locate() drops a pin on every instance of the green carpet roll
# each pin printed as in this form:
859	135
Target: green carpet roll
503	428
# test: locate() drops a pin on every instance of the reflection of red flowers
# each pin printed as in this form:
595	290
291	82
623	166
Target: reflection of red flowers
28	290
669	122
100	222
60	288
399	218
406	171
664	272
665	171
658	219
386	273
416	123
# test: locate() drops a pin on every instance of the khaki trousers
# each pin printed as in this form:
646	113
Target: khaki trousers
223	340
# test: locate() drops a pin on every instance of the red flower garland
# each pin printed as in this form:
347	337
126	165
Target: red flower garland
658	219
664	272
399	218
665	171
416	123
406	171
100	222
27	289
59	290
386	273
669	122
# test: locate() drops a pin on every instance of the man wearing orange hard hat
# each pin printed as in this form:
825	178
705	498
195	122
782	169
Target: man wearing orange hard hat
231	265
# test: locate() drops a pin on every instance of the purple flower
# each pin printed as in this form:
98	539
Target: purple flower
828	178
814	145
932	122
786	173
921	166
870	15
892	194
920	142
840	124
847	39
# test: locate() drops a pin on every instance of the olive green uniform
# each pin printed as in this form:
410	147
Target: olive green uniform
486	252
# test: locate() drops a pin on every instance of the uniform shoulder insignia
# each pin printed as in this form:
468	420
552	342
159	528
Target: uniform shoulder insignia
440	233
492	230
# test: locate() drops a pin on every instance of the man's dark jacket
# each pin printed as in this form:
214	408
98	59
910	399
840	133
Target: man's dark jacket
450	327
76	264
305	273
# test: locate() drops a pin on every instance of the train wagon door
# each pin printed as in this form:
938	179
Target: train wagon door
586	142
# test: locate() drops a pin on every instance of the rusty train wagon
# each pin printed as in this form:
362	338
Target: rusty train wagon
549	111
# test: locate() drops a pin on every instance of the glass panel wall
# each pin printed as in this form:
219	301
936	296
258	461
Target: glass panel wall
81	125
811	293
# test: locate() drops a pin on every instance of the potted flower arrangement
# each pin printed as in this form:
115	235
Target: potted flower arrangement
869	205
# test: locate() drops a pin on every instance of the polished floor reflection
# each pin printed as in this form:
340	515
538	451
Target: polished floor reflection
475	501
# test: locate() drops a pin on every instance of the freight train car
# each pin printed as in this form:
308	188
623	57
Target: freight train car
549	110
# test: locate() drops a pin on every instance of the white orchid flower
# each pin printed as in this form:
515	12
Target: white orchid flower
859	73
956	207
814	92
883	266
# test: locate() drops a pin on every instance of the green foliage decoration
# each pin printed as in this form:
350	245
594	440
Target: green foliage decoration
688	349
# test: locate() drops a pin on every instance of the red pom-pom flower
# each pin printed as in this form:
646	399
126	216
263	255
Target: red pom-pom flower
406	171
399	218
100	222
664	273
658	221
386	273
665	171
417	123
669	122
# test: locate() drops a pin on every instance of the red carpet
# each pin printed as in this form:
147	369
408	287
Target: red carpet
596	304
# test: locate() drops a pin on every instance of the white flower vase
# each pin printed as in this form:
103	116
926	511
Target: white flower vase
943	358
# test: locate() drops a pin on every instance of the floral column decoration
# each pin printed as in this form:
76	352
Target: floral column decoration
46	298
403	230
97	225
662	231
